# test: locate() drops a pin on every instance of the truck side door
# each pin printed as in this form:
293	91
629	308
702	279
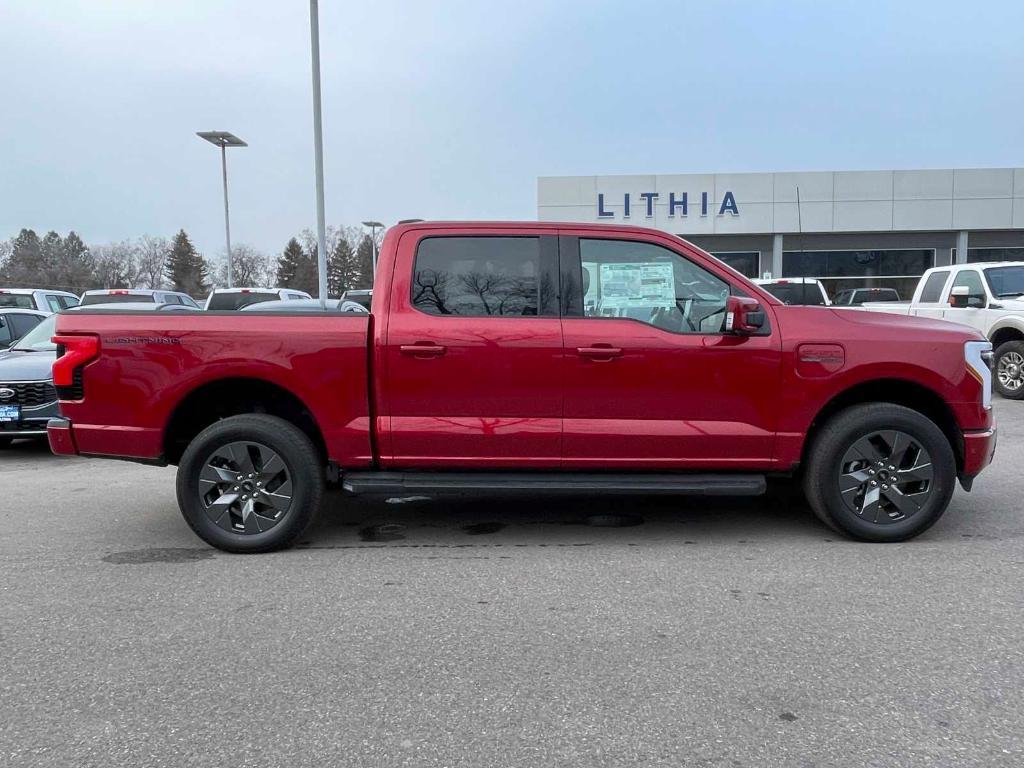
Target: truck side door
651	378
931	300
472	351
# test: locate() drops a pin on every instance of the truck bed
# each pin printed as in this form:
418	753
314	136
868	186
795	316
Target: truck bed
890	307
152	367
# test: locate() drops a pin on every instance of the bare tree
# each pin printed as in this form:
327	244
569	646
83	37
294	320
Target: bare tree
116	264
249	267
152	261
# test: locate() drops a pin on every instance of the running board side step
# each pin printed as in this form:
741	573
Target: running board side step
399	483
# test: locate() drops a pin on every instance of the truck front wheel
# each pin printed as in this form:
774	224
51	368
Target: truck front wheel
880	472
250	483
1009	374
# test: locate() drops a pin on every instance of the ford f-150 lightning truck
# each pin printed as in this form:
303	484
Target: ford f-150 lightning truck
532	358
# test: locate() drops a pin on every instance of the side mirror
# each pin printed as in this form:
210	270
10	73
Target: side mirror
961	297
743	316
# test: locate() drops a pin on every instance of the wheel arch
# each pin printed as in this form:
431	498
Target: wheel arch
219	399
1005	332
908	394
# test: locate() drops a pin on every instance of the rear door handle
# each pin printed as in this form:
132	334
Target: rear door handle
599	352
423	349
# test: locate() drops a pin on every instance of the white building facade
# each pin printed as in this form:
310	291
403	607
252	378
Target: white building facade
849	229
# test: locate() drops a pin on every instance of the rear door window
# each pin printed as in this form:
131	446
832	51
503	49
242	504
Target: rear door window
932	291
483	277
54	303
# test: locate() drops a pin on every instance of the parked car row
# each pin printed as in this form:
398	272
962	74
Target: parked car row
27	394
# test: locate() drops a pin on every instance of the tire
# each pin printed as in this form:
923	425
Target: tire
5	442
843	477
281	494
1009	365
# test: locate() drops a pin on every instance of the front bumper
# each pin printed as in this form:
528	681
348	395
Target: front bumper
61	436
979	448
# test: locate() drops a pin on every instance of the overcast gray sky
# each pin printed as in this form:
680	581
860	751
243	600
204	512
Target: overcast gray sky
451	109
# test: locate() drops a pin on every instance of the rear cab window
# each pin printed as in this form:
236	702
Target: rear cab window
802	294
233	301
19	300
116	298
487	276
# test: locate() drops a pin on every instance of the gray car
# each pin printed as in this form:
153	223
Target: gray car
27	396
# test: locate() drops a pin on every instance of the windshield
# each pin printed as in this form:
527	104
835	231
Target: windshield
1005	281
796	293
115	298
19	300
38	339
239	300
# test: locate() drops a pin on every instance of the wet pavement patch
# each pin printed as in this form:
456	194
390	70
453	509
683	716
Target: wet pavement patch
478	529
385	532
168	555
613	521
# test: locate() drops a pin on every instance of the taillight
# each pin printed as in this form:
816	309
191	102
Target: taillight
78	350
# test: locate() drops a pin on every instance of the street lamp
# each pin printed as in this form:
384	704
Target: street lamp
373	225
318	151
223	139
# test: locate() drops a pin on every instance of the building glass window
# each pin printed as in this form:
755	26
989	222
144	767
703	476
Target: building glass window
977	255
747	263
897	268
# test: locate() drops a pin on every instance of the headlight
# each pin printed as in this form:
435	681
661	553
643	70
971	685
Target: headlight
978	355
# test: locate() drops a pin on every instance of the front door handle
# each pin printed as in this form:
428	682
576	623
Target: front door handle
599	352
423	349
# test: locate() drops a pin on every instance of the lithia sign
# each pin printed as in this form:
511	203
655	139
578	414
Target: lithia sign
678	204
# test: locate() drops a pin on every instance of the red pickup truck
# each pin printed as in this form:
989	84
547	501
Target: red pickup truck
535	358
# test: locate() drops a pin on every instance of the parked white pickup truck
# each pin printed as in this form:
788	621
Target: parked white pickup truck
989	297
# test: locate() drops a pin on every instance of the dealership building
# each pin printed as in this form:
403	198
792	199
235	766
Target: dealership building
848	229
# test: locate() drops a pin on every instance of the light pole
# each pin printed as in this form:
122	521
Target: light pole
318	152
223	139
373	225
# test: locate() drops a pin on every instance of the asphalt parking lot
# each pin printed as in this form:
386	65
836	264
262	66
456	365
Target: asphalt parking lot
505	633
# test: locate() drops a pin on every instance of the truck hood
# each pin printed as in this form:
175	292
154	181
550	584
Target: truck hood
26	366
880	320
1011	305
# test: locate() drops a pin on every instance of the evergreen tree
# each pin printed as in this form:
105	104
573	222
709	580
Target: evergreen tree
289	264
364	263
25	266
75	265
186	268
342	268
52	248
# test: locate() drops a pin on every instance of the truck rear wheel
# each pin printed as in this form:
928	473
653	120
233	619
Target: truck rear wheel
880	472
1009	373
250	483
